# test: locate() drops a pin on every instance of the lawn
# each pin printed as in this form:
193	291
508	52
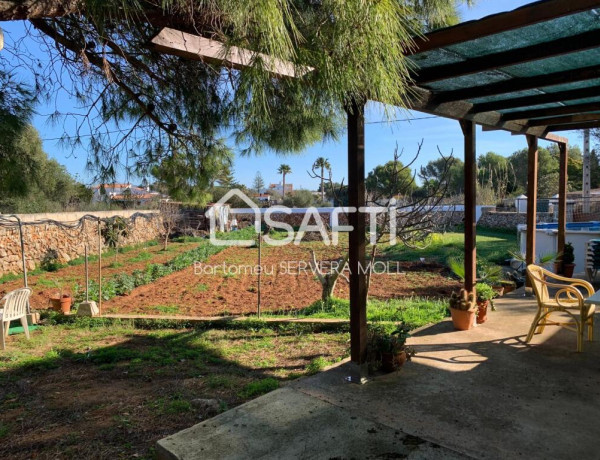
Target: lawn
493	247
93	388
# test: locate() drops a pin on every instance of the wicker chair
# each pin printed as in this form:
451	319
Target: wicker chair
14	306
568	299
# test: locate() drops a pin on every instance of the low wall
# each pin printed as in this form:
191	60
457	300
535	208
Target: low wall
39	237
510	220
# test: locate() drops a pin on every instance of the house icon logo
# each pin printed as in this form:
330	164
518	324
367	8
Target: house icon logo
218	217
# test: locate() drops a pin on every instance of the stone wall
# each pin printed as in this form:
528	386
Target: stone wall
510	220
68	242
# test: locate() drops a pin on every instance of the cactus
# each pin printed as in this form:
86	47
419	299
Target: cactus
463	300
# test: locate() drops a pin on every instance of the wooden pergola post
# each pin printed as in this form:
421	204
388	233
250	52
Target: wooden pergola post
469	129
532	173
357	242
562	199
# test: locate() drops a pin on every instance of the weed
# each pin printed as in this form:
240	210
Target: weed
317	365
220	381
259	387
166	309
202	288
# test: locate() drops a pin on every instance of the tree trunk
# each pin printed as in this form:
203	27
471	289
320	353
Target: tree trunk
322	185
327	288
283	191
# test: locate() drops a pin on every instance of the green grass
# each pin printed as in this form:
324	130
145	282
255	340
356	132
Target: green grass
260	387
317	365
141	257
413	311
493	247
166	309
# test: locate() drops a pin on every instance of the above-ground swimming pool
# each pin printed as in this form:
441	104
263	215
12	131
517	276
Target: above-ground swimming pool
546	239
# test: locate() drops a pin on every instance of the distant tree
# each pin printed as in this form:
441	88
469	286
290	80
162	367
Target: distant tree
495	173
258	183
284	170
445	174
299	199
322	164
390	179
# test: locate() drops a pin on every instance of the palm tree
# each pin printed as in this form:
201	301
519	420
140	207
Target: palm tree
322	163
284	169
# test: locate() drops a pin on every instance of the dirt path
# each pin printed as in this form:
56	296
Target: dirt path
287	284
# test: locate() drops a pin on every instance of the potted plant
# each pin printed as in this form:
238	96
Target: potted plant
388	350
61	301
508	285
463	310
568	259
484	296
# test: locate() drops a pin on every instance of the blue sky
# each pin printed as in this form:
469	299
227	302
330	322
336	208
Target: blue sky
380	140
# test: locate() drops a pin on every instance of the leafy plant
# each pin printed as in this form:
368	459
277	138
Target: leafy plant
386	338
568	255
50	262
484	292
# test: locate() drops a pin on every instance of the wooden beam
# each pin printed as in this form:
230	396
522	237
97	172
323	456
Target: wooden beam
357	242
564	45
520	84
423	101
532	173
171	41
469	131
552	111
538	99
562	199
567	119
502	22
574	126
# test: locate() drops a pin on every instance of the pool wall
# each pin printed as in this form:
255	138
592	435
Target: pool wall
546	239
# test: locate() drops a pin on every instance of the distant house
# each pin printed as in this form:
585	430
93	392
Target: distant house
263	197
124	194
289	188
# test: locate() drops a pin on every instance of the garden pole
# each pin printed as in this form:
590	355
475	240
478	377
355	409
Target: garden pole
87	282
259	271
469	132
562	199
99	268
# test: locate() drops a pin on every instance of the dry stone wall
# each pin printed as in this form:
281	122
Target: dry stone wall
68	242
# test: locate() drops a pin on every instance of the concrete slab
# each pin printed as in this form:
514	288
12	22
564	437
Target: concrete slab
482	393
290	424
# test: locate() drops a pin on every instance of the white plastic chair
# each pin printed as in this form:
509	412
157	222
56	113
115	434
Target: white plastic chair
14	307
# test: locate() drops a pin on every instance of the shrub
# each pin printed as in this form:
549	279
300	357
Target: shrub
50	261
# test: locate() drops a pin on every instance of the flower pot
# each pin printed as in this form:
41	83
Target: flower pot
482	311
508	288
568	270
557	268
463	319
62	304
392	361
499	290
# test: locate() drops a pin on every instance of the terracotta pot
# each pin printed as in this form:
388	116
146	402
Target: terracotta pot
557	268
482	311
62	304
568	270
508	288
463	319
392	361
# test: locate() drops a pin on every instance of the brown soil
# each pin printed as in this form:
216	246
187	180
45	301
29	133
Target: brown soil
69	407
69	276
284	286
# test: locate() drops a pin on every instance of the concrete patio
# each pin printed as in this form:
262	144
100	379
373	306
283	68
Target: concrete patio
482	393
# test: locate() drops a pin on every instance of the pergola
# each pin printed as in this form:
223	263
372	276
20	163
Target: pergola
533	71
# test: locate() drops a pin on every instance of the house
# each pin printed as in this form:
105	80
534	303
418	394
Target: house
124	193
289	188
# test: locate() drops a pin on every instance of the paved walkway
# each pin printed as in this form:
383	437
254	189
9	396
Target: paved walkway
481	393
